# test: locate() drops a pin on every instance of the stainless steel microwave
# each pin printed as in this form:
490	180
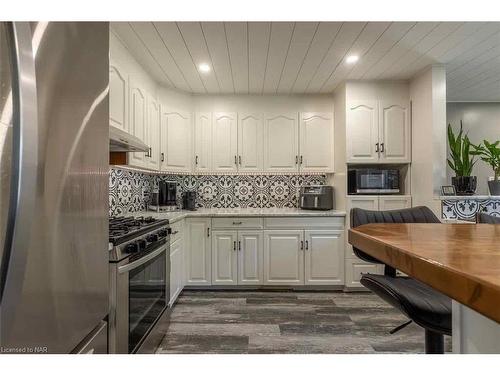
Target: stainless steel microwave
373	181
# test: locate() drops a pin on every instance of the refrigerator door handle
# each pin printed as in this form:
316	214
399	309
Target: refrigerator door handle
24	158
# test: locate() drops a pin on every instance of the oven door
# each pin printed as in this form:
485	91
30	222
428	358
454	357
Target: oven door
142	295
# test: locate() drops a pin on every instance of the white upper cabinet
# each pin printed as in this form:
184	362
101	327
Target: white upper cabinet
203	142
378	131
394	132
152	159
138	119
118	97
281	142
250	142
362	131
316	142
224	142
175	140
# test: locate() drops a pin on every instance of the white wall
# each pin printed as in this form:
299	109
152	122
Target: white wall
428	172
480	121
373	90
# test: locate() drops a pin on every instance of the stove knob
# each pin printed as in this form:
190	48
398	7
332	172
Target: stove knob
162	233
152	238
142	244
132	247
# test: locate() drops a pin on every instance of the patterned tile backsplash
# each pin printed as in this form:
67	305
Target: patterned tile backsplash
129	191
466	208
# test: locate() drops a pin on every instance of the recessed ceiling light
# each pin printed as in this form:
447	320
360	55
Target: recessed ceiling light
204	68
352	59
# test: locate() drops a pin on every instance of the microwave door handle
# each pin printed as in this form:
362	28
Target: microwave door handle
24	157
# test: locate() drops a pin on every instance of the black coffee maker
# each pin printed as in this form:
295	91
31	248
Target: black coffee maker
165	198
189	200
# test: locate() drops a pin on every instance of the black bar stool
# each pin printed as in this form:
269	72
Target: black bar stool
425	306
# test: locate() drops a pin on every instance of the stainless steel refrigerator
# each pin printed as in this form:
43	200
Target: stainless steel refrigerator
54	187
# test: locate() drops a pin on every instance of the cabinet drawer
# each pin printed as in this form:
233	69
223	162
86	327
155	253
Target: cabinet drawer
304	222
355	268
177	231
237	222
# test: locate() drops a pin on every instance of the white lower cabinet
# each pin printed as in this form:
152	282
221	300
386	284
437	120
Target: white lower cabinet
324	257
250	257
224	257
283	257
355	268
237	257
198	252
176	270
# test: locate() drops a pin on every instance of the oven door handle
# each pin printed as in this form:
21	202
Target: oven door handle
139	262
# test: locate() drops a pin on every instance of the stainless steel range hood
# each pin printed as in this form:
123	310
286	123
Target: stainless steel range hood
120	141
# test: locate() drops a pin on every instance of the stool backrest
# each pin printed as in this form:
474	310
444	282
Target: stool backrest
487	219
359	216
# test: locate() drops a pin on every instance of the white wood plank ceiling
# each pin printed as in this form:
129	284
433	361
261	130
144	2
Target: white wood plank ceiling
310	57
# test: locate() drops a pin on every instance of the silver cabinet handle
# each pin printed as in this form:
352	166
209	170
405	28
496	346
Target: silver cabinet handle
301	245
296	159
175	232
382	147
162	157
196	160
239	245
239	158
307	245
376	147
235	160
234	245
237	222
208	232
301	159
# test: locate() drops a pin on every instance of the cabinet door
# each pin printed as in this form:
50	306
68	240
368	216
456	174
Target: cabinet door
324	257
394	202
250	257
316	142
176	270
224	257
250	142
152	160
366	202
281	142
394	132
138	118
203	142
362	131
175	140
118	97
198	252
284	257
354	270
224	142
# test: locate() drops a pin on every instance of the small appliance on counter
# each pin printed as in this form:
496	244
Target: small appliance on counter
373	181
165	197
316	197
189	200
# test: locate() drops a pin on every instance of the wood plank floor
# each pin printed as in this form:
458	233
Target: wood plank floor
282	322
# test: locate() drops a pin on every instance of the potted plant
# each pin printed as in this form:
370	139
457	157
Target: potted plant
461	162
490	154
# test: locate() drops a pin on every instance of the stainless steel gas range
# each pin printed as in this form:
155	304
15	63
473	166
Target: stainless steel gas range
139	279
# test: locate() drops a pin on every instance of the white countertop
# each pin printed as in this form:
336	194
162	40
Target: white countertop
174	216
468	197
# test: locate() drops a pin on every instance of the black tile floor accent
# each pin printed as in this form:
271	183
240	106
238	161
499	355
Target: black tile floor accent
280	322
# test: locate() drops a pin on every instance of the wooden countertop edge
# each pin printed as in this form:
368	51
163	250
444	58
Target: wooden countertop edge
480	295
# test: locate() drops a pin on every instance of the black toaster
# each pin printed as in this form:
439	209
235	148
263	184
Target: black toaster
316	197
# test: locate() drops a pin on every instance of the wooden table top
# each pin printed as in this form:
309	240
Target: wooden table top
461	261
